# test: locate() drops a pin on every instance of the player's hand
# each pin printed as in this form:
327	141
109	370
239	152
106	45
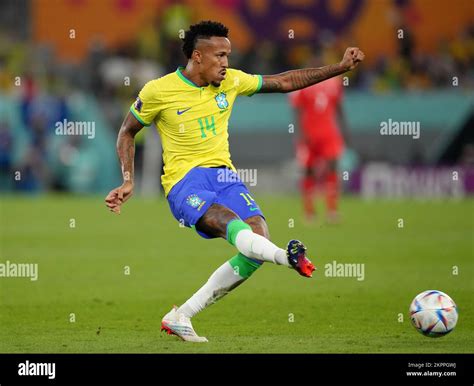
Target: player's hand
352	57
118	196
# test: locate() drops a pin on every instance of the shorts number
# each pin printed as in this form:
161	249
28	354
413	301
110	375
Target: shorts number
248	198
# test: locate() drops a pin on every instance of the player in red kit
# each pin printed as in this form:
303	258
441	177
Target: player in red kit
320	144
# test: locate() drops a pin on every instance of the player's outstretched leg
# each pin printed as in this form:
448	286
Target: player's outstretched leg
258	247
254	249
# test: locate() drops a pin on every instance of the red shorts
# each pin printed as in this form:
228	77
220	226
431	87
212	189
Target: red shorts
308	155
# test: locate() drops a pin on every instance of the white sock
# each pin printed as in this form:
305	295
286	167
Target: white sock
255	246
223	280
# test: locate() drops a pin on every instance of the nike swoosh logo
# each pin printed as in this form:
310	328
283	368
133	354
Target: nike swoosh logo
253	209
182	111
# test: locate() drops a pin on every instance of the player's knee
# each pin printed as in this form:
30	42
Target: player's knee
259	226
244	266
233	229
216	219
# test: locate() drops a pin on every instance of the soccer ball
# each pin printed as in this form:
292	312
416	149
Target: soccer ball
433	313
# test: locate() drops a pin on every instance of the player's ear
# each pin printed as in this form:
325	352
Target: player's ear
196	56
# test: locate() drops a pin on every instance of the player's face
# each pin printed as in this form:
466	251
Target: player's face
214	59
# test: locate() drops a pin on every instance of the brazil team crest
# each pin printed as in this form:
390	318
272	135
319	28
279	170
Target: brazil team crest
138	104
221	100
194	201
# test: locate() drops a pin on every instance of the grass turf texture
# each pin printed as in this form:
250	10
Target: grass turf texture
82	271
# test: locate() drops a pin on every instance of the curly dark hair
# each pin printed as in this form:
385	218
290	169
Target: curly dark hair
202	30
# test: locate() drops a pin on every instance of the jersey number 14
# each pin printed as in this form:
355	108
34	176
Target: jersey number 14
210	126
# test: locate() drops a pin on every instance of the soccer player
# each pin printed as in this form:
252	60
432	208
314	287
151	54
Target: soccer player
320	144
191	109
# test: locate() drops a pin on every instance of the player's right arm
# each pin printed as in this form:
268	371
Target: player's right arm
126	153
142	113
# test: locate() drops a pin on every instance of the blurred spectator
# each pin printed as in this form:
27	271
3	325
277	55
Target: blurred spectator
6	149
467	155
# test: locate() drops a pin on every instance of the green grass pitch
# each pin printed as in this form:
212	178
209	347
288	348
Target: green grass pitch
82	272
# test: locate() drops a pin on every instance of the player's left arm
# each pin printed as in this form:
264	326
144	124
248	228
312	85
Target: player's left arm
297	79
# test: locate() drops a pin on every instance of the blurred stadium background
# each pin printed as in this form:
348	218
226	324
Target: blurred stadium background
85	60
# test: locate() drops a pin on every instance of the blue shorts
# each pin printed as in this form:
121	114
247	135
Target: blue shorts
201	187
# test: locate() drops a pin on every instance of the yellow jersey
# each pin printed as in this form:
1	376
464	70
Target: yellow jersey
192	121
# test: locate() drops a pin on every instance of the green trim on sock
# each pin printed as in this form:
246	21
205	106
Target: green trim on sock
233	228
243	266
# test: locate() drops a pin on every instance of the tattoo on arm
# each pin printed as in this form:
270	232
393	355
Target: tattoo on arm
126	146
298	79
271	83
